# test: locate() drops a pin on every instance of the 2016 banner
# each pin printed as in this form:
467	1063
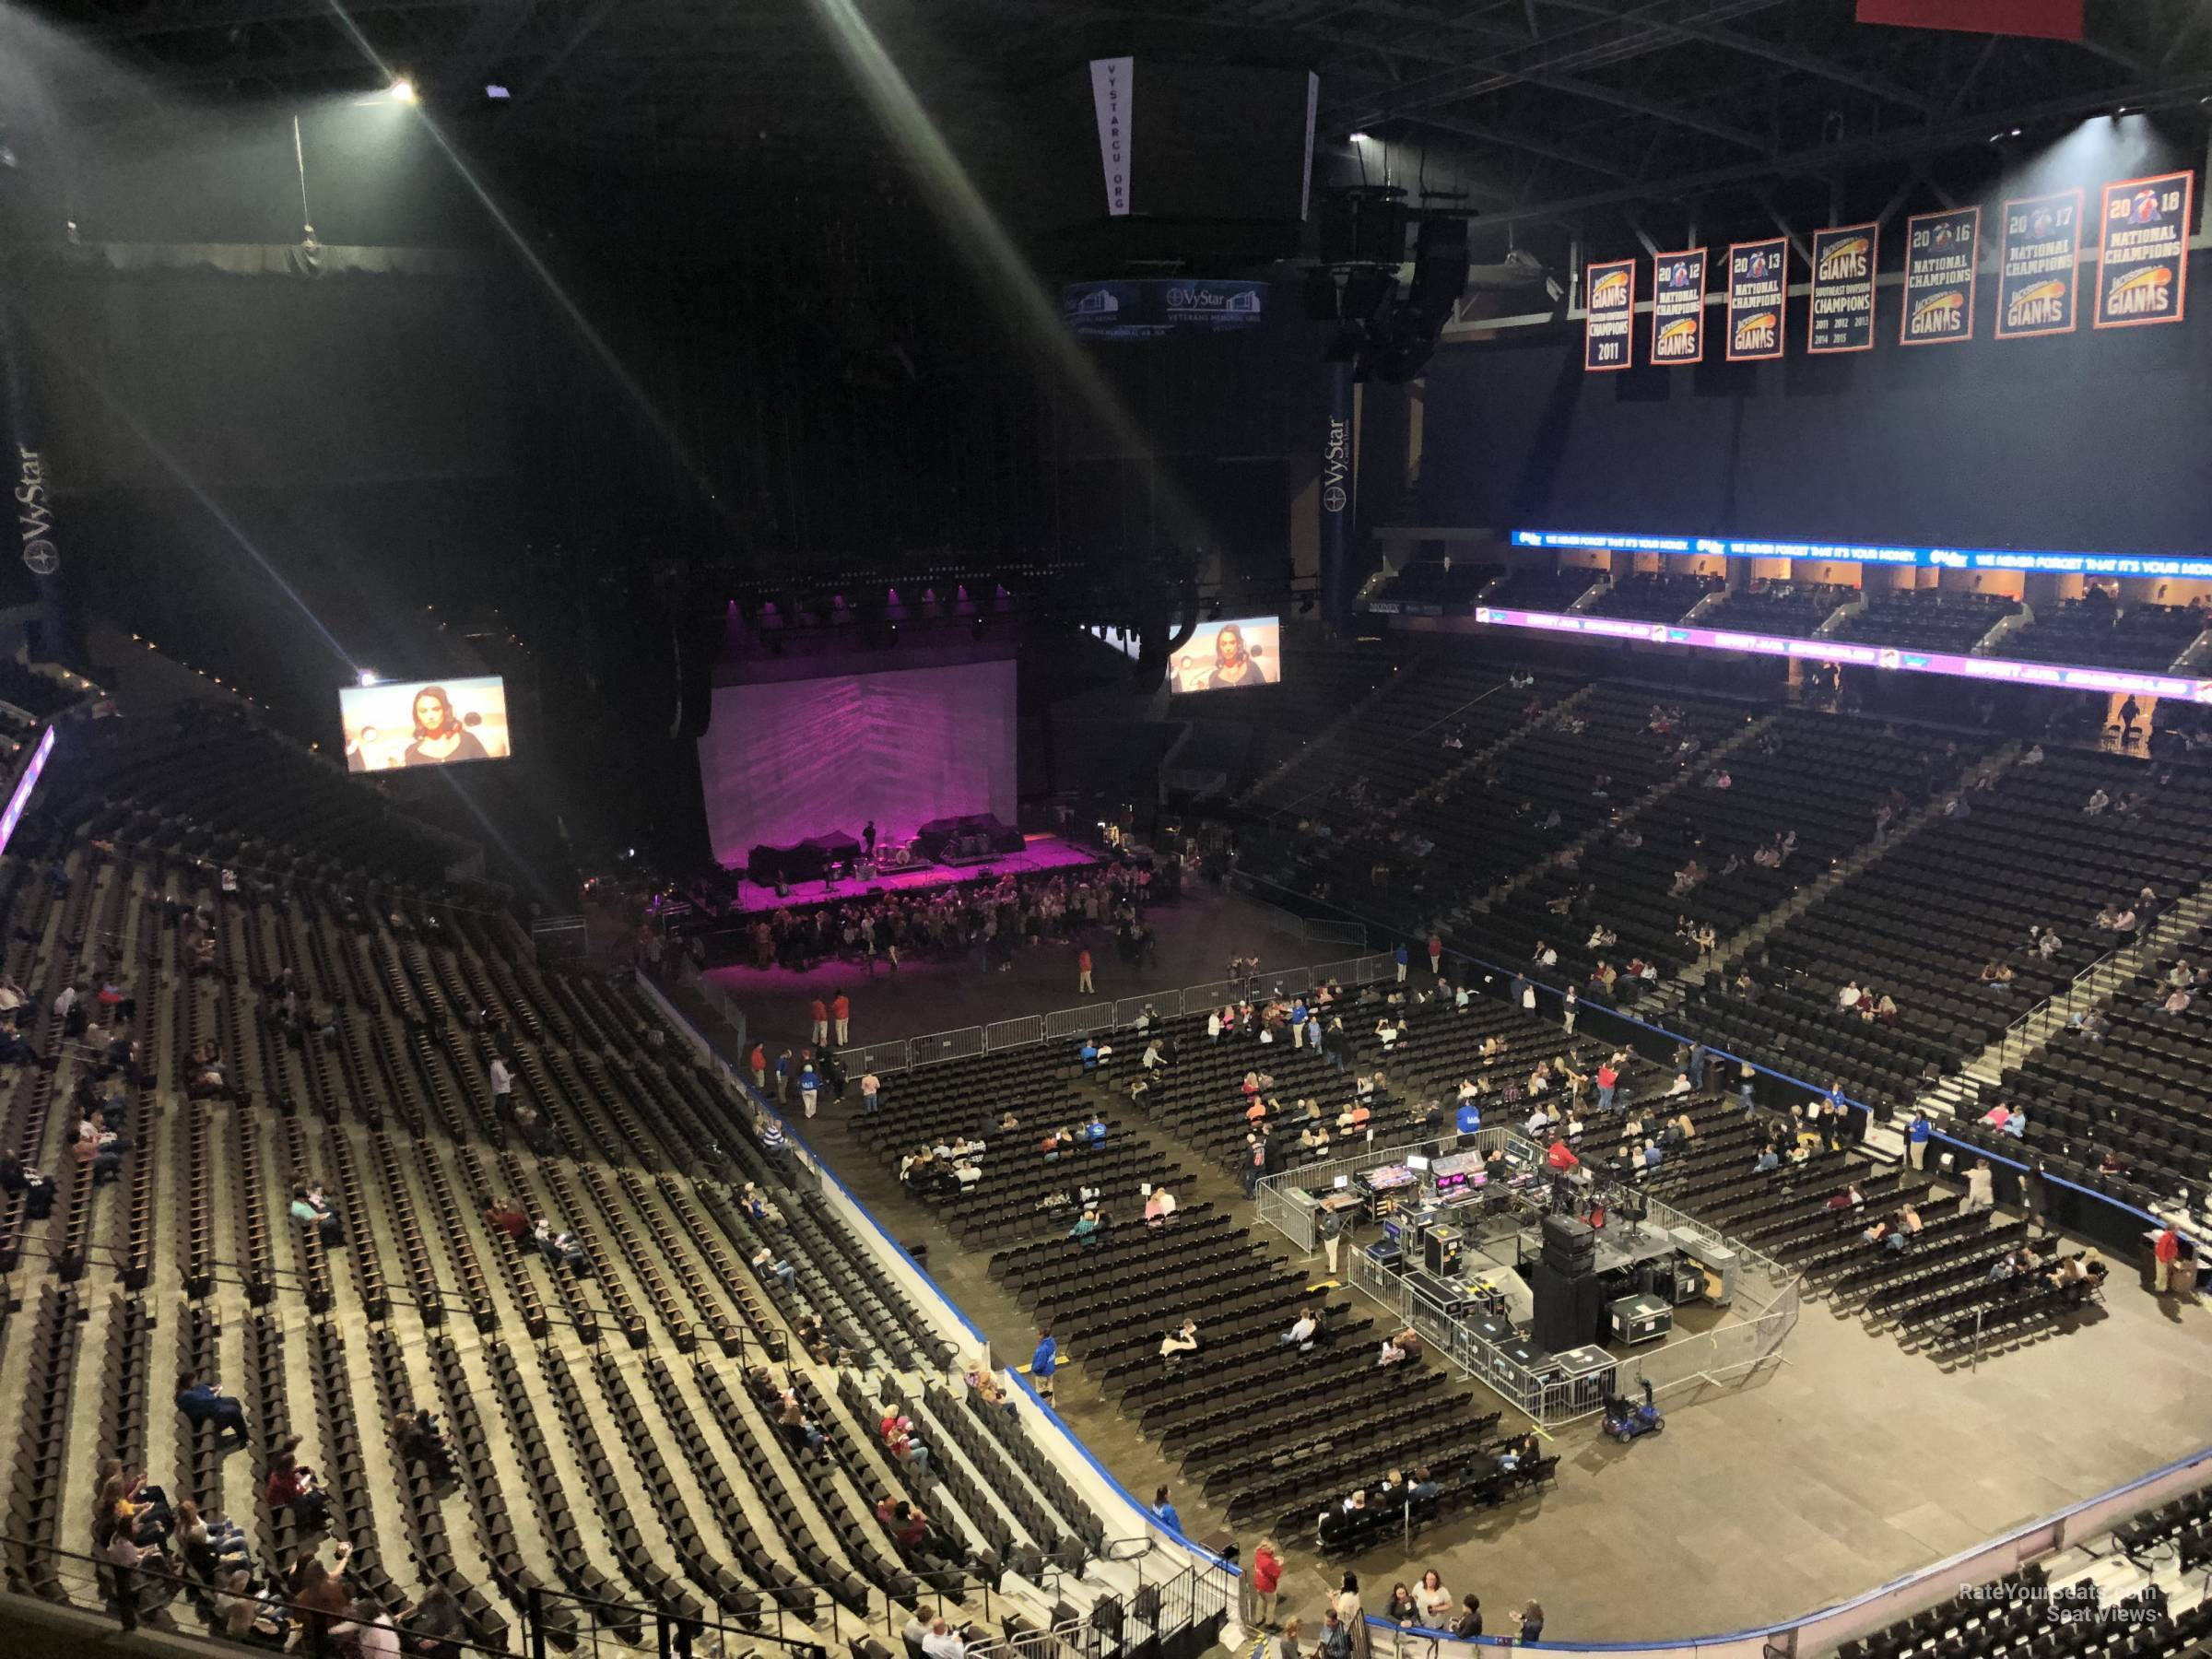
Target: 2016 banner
1759	278
1678	307
2143	251
1609	316
2037	288
1939	277
1841	309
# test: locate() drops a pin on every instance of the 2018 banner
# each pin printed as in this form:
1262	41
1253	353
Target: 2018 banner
2143	251
1609	316
1840	307
1759	278
1941	251
1678	307
2037	286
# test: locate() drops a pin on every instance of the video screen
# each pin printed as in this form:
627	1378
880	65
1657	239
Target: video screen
1220	656
424	722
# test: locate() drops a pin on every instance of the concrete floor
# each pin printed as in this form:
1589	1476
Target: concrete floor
1849	1465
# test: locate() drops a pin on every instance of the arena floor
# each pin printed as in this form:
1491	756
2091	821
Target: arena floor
1849	1465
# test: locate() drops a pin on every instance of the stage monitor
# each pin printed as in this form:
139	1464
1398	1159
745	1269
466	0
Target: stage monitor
424	722
1220	656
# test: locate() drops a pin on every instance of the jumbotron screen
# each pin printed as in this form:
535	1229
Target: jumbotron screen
424	722
1220	656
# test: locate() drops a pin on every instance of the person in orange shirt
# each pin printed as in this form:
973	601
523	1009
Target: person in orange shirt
757	1062
819	1013
2165	1251
1083	972
840	1010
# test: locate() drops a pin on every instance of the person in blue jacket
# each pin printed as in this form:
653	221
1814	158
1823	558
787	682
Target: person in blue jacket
1043	1363
1164	1511
1402	956
1916	1139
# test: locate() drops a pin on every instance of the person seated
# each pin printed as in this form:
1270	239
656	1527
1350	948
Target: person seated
504	1218
1085	1229
1519	1451
1094	1131
1176	1343
562	1249
36	1189
1159	1204
765	1262
418	1441
311	1210
1392	1353
1302	1332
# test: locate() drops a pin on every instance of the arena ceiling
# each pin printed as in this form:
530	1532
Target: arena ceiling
1539	110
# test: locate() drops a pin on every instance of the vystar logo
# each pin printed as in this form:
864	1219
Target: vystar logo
1335	463
34	518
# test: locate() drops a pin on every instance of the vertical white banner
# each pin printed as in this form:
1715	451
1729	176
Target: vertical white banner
1305	184
1112	83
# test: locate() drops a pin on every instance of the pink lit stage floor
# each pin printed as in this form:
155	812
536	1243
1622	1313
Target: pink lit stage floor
1041	853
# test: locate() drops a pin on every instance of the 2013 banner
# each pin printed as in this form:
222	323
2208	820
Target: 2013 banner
2143	251
2037	286
1609	316
1678	307
1840	305
1940	250
1758	277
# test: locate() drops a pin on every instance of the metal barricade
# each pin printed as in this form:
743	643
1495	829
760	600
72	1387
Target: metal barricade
1014	1033
878	1057
1078	1022
963	1044
1166	1006
1336	933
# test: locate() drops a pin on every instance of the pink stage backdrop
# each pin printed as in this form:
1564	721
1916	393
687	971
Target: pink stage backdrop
785	761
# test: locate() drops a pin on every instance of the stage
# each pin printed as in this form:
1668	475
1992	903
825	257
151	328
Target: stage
1039	853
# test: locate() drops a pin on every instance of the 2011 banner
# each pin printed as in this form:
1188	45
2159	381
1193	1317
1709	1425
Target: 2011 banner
1759	278
2037	286
1840	305
1678	307
2143	251
1609	316
1940	250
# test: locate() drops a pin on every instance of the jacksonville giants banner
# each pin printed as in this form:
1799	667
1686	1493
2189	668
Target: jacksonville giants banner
1678	307
2143	251
1609	316
1758	277
1940	250
1112	83
1840	305
2037	286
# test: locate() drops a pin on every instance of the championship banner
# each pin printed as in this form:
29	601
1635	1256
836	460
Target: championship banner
1758	277
1609	316
2037	272
2143	251
1678	307
1840	307
1939	277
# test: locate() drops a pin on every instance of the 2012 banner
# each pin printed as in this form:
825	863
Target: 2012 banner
2037	286
1940	253
1609	316
1759	278
1678	307
2143	251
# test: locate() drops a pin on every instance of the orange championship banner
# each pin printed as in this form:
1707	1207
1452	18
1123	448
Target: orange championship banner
1678	308
1840	302
1759	278
2038	259
1609	316
2143	250
1941	251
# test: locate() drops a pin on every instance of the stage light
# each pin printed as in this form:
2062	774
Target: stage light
401	90
493	89
1357	137
368	676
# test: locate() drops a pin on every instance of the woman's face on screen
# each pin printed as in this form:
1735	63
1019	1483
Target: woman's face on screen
1229	647
429	712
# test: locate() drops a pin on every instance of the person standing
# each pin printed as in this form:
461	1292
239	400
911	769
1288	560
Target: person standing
1746	1077
502	1088
2165	1254
1433	1600
870	1087
1351	1615
1917	1134
840	1010
1164	1511
756	1063
1981	1188
1530	1621
1083	971
818	1013
1403	957
1043	1363
1436	956
784	1070
1329	1224
1570	1005
1264	1583
810	1086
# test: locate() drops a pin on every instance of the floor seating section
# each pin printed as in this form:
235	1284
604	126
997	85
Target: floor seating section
646	1473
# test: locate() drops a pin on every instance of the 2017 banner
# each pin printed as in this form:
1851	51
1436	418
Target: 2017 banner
1940	250
1840	305
2143	251
1678	307
1609	316
1759	278
2037	285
